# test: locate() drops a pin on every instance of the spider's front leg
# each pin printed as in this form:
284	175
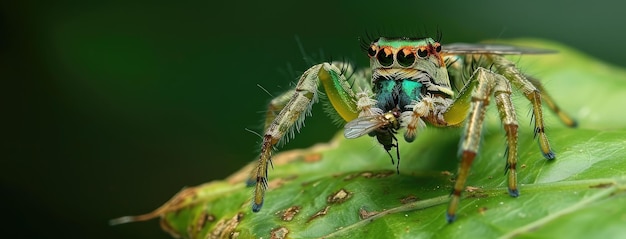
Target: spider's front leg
286	113
475	98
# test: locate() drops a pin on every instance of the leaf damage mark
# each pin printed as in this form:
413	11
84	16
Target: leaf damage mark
602	185
482	210
364	214
475	192
313	157
339	197
279	182
368	174
204	218
320	213
381	174
409	199
279	233
471	189
350	176
226	228
289	213
165	225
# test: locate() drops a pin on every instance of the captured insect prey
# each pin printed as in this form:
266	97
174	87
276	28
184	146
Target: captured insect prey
412	83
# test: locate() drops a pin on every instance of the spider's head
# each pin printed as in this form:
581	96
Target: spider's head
414	59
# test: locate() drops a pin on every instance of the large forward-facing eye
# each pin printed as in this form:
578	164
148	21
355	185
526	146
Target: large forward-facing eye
422	53
385	57
406	57
371	51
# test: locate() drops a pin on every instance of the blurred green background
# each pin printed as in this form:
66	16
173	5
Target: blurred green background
111	107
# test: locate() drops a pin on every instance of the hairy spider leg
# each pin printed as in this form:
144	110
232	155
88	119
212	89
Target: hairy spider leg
564	117
293	106
475	98
478	90
517	79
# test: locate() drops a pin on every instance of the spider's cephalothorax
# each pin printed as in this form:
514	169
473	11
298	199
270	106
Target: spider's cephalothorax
404	71
408	84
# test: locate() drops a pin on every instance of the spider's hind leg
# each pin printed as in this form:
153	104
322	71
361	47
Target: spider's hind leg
564	117
533	94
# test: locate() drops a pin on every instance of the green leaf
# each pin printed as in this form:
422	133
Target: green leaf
349	188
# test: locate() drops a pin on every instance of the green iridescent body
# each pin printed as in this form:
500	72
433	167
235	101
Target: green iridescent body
410	83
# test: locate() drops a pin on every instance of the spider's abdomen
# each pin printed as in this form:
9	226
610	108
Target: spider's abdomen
391	94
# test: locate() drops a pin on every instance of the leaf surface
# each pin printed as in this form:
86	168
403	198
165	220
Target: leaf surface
349	188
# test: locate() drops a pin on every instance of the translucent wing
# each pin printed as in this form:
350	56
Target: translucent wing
363	125
468	48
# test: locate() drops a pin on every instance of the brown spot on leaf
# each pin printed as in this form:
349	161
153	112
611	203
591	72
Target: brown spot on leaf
226	228
350	176
471	189
289	213
277	183
203	218
339	197
384	174
184	197
408	199
281	158
475	192
446	173
482	210
381	174
165	225
311	158
320	213
279	233
523	166
364	214
602	185
479	194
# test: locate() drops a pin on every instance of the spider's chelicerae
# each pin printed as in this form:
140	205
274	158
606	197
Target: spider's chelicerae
410	83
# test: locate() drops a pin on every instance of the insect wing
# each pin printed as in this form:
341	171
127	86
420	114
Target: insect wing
468	48
362	126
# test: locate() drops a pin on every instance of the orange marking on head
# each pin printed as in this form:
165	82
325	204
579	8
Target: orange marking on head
388	51
441	63
407	51
432	49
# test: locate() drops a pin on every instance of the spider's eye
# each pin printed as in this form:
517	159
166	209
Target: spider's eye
371	51
406	58
422	53
384	58
438	48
